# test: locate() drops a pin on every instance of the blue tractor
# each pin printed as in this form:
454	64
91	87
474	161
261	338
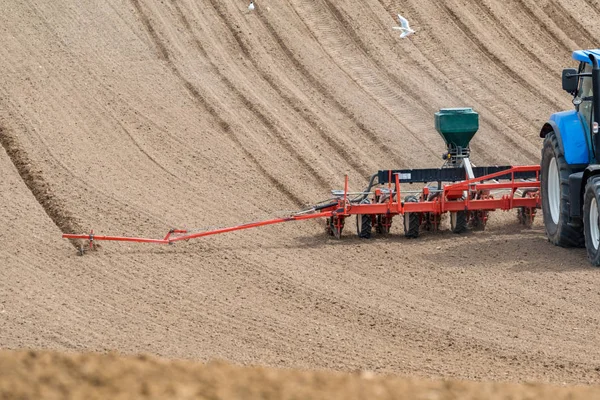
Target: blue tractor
570	166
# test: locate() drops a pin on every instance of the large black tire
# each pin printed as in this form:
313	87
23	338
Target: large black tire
364	225
459	221
412	221
558	229
591	223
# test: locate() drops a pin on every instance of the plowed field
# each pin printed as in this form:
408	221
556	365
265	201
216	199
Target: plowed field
132	117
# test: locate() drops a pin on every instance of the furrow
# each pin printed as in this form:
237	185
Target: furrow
251	105
543	25
459	96
332	44
310	118
39	187
325	92
201	101
483	48
515	142
576	31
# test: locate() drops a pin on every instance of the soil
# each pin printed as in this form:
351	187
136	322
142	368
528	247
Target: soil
35	375
131	118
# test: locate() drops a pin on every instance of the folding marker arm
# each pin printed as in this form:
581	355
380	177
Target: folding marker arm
181	234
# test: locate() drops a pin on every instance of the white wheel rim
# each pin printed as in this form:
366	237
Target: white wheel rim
554	190
452	220
594	230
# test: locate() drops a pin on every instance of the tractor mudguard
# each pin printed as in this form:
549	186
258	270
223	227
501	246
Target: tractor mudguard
575	194
571	137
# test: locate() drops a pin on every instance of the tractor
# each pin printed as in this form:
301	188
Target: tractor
570	164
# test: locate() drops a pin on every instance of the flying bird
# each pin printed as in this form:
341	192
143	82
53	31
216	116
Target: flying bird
406	30
251	6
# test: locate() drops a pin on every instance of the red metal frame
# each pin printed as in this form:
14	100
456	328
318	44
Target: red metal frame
345	208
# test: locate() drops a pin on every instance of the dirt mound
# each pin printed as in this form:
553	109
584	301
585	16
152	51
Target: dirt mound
134	117
43	375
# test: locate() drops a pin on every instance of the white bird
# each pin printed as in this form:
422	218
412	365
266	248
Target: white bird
406	31
251	6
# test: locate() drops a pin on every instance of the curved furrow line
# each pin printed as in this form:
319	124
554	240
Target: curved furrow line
324	91
511	38
133	139
362	73
405	87
481	150
485	151
148	155
345	23
595	5
483	48
311	119
39	187
517	141
204	104
574	30
542	23
84	182
251	105
112	91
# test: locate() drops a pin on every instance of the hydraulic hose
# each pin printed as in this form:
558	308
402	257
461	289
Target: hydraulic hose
367	190
358	199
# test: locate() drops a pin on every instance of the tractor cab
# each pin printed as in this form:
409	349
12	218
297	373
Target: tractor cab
579	83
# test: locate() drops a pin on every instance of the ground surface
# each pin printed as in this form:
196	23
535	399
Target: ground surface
34	375
132	117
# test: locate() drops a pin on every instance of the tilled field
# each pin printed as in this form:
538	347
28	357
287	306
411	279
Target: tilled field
133	117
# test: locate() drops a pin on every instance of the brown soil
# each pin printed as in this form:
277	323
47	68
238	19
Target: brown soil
35	375
133	117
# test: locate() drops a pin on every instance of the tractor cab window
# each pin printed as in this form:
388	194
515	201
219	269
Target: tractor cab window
584	96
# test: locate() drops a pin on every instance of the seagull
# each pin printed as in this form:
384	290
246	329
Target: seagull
251	6
406	31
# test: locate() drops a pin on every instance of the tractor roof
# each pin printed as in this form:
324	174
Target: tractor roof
583	55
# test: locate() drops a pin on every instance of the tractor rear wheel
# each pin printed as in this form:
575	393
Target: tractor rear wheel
591	221
555	196
412	221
